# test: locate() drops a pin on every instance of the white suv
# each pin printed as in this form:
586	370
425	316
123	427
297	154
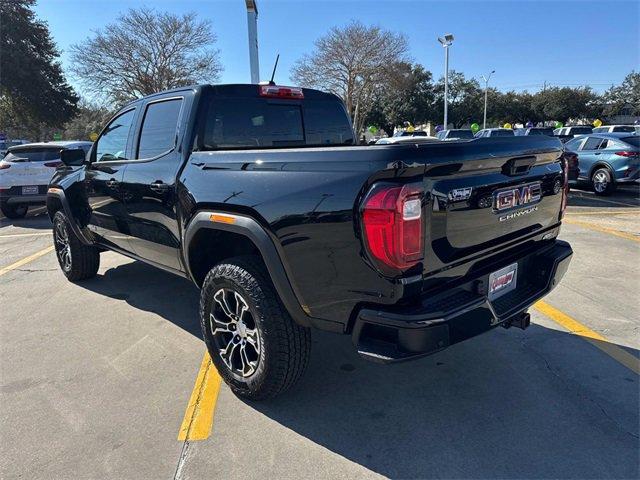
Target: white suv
25	172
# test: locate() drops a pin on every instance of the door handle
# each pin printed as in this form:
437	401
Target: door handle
598	153
159	186
112	183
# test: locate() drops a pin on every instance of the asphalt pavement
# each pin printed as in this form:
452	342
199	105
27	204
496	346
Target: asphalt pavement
96	377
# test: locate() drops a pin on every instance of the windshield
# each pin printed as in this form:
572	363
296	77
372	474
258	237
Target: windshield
33	155
461	134
624	128
502	133
580	130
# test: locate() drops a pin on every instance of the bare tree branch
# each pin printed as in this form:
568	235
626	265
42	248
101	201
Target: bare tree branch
146	51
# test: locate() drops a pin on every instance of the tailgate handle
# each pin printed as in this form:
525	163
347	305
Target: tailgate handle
518	165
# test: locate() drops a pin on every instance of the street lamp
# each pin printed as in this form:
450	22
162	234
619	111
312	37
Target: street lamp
486	87
252	25
446	42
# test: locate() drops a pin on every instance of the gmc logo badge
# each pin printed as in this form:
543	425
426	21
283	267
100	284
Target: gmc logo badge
517	197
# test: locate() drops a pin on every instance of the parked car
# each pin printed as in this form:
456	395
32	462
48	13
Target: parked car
534	131
25	172
402	140
615	129
407	133
262	201
455	134
607	159
5	144
567	133
494	132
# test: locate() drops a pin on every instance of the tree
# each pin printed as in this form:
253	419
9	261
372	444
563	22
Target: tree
144	52
353	62
90	119
34	94
466	99
407	97
618	97
564	103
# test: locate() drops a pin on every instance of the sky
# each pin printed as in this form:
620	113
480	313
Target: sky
527	42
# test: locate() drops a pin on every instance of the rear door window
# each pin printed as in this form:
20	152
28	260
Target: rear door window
159	128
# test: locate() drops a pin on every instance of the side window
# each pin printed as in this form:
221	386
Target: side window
159	125
112	144
573	145
591	143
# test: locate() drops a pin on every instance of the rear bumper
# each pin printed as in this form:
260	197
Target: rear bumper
14	196
451	316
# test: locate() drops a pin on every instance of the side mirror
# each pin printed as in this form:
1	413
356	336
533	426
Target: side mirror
73	157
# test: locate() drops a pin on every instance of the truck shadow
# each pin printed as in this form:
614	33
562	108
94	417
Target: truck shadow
538	403
509	404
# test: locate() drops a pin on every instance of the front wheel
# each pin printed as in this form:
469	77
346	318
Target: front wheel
254	343
14	211
77	261
602	182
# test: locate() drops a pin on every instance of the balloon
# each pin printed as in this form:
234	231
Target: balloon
93	136
439	128
597	122
411	128
559	124
529	124
475	127
373	129
507	125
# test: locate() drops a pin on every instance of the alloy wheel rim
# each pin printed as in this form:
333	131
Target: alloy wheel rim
63	247
600	181
235	332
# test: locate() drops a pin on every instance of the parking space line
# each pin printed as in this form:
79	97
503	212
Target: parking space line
25	260
25	234
623	211
594	338
598	228
198	419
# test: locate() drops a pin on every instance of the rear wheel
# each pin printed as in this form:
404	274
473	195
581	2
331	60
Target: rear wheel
77	261
602	182
14	211
254	343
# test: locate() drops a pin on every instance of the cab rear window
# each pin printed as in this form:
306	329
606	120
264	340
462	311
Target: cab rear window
244	123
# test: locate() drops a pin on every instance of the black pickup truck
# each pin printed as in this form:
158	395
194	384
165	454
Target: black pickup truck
258	194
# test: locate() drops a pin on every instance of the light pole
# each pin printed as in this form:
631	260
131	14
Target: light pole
446	42
486	88
252	25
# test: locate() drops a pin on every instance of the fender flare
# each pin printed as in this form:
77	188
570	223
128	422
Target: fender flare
58	193
250	228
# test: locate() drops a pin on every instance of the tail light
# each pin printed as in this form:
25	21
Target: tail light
565	187
53	164
4	166
274	91
393	225
628	154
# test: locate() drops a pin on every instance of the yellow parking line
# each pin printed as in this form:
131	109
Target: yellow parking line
598	228
25	234
198	419
24	261
597	340
622	211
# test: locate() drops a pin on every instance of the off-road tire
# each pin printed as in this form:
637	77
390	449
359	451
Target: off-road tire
284	345
84	260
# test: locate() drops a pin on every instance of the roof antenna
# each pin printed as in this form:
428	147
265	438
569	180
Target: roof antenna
273	74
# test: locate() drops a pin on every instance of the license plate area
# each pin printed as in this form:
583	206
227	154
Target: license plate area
30	190
503	281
